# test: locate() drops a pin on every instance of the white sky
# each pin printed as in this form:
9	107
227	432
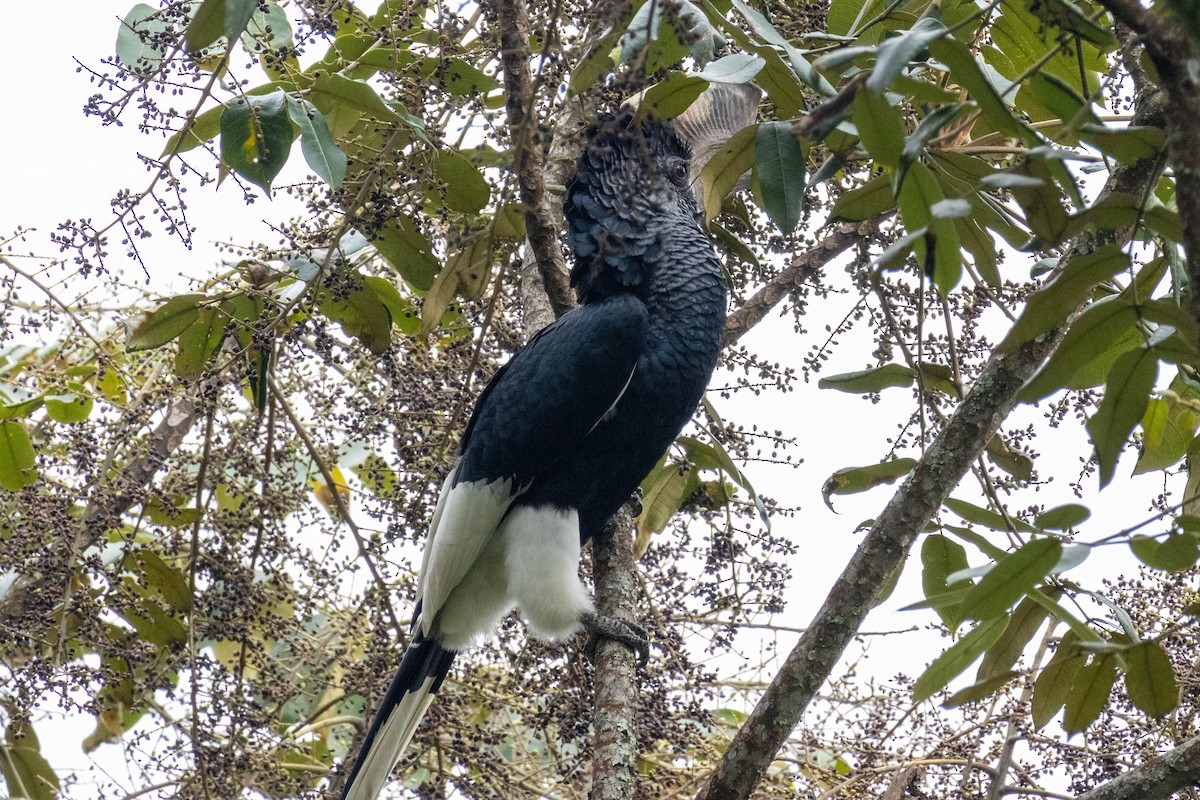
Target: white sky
55	164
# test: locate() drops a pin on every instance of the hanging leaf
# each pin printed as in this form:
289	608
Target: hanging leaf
1176	553
1150	680
466	190
142	39
198	342
1061	518
256	137
1126	396
26	771
17	458
1012	578
726	167
894	54
1099	336
852	480
1002	656
871	380
662	493
872	198
1052	687
780	160
941	557
985	517
879	126
316	142
1089	694
164	323
955	660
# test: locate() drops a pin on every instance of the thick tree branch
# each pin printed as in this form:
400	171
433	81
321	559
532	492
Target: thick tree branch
614	761
541	229
803	267
1157	779
943	465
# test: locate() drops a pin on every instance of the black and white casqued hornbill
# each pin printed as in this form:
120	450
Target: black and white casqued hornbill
565	431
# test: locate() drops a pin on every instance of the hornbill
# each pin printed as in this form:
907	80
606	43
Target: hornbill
568	427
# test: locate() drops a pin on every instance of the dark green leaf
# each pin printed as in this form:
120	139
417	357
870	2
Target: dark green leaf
873	197
1169	426
1012	578
237	16
1176	553
1089	694
779	166
926	132
408	252
1052	687
875	379
1127	145
879	127
1014	462
400	310
165	322
1057	300
466	190
980	690
1126	395
168	581
1063	517
69	407
955	660
462	79
1002	656
207	26
852	480
1071	18
256	137
1150	680
26	771
141	39
198	342
316	142
966	73
361	315
989	519
17	459
267	29
939	558
1099	336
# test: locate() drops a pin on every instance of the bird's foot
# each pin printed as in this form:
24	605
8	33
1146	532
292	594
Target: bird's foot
630	634
635	503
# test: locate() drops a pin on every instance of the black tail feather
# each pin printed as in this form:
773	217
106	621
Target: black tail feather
422	670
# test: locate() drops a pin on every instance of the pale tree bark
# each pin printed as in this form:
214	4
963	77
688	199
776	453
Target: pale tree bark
885	547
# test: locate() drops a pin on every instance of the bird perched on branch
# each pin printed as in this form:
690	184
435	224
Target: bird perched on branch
567	429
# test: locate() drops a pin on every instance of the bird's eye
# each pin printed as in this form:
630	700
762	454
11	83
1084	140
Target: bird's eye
677	171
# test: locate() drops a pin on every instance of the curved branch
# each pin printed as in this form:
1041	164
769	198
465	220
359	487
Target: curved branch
943	465
1156	779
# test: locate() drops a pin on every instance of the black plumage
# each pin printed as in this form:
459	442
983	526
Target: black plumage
566	430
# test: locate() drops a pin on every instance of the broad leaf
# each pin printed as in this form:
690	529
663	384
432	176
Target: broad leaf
17	458
256	137
1089	694
779	165
142	39
316	142
1150	680
1126	396
866	381
1012	578
165	322
955	660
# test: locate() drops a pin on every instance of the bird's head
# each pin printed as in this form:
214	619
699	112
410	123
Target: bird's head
631	183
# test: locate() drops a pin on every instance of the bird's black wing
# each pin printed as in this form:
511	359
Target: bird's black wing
535	410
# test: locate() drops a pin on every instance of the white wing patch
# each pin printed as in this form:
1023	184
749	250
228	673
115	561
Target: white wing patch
465	519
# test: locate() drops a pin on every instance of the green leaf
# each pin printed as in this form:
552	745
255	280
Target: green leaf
69	407
256	137
1176	553
1061	518
1012	578
408	252
316	142
164	323
1050	305
168	581
26	771
237	16
852	480
206	26
466	189
1089	694
966	73
17	459
361	315
895	53
141	39
985	517
1169	426
780	160
872	198
1071	18
926	132
1127	145
958	657
733	68
1150	680
400	310
1126	396
1002	656
671	97
879	127
662	492
1096	339
735	158
267	29
198	342
865	381
1014	462
939	558
1052	687
348	102
980	690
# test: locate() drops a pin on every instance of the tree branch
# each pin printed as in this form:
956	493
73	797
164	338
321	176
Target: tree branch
943	465
1156	779
541	229
614	763
803	267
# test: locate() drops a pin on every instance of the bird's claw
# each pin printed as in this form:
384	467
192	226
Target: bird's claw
635	503
630	634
